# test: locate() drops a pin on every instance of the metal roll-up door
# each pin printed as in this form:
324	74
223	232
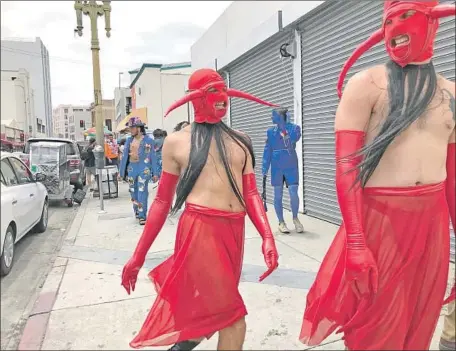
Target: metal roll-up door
262	72
328	39
225	78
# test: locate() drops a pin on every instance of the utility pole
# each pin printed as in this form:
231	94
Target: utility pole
95	10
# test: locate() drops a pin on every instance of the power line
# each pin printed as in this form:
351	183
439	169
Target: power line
55	58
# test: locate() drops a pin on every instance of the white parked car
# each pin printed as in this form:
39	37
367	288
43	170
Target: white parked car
24	206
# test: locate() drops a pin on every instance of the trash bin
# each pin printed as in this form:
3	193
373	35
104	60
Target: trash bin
109	182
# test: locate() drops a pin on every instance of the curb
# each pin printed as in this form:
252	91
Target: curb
36	326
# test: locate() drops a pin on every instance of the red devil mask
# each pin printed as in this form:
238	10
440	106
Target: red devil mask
209	96
409	29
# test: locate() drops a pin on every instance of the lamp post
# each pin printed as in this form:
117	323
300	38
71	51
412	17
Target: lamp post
120	74
95	10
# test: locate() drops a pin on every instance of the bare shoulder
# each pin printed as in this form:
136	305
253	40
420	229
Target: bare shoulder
359	98
368	82
447	85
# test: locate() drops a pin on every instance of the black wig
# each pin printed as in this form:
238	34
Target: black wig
410	91
201	137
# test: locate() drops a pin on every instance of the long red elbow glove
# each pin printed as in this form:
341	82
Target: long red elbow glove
451	196
360	266
257	215
154	223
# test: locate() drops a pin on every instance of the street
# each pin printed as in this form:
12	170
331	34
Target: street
34	257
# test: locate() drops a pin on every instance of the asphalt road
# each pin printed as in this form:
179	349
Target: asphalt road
34	258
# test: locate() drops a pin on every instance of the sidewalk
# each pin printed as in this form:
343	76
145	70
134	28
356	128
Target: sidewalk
82	305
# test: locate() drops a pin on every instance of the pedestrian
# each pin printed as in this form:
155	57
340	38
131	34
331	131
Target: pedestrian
121	148
139	166
280	154
383	279
198	286
111	151
159	138
89	163
181	125
448	338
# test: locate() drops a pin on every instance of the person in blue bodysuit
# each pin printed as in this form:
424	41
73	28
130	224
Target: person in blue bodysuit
280	155
139	166
159	138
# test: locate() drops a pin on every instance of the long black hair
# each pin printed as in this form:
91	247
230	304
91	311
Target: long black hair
201	137
410	91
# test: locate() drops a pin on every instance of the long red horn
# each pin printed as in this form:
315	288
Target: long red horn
374	39
243	95
187	98
443	11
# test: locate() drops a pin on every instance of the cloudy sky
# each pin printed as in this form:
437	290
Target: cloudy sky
142	31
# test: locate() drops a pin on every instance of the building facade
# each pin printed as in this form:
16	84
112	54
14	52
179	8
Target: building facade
319	36
17	107
71	121
157	86
33	57
122	101
108	111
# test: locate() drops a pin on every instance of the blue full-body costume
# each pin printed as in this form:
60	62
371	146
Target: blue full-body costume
280	154
139	173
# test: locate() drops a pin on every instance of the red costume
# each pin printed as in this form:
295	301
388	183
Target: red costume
367	285
197	287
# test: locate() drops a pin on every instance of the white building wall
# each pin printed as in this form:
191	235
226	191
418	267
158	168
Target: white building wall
17	100
174	86
66	121
148	94
157	89
33	57
242	26
120	101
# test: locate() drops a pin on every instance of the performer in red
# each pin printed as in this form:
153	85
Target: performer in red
212	167
383	279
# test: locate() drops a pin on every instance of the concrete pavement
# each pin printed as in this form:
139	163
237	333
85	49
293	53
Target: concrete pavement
34	257
83	306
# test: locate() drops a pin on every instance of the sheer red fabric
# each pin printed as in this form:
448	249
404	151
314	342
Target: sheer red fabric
197	286
408	233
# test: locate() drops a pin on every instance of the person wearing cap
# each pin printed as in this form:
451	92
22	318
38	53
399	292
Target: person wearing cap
138	166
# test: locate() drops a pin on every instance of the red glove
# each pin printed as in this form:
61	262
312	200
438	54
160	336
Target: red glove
257	214
360	265
451	196
154	223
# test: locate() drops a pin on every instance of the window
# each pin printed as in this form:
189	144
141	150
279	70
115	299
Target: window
71	119
109	124
65	110
70	149
23	174
66	117
8	173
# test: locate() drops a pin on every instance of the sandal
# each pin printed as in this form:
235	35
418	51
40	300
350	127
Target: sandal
142	221
184	346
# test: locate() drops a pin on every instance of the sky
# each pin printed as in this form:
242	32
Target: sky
142	32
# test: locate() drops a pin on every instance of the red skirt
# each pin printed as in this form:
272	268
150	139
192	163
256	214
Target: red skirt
407	230
197	286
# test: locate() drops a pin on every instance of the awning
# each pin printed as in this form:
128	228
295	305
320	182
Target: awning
139	112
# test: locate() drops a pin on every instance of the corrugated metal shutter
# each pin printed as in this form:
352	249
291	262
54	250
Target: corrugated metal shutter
328	39
225	78
262	72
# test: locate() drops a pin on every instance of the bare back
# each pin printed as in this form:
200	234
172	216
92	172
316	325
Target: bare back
418	155
212	188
